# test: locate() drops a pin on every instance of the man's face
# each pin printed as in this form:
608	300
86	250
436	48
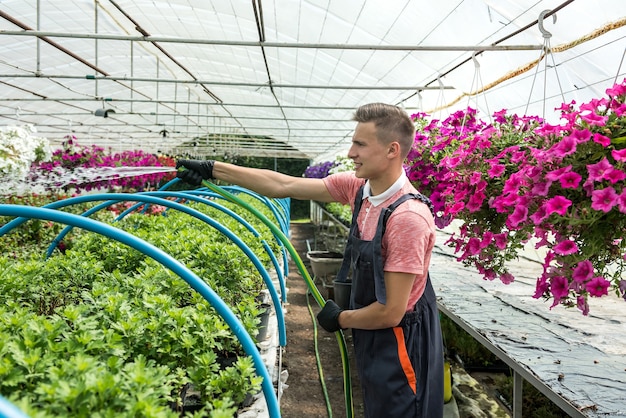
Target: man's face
368	154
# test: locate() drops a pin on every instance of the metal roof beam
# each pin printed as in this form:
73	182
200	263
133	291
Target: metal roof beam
432	48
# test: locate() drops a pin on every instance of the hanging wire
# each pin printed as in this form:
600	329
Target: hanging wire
479	87
619	67
441	100
546	51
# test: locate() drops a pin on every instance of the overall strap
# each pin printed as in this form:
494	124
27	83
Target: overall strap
389	210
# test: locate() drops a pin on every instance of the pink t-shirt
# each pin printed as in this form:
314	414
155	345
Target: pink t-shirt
410	236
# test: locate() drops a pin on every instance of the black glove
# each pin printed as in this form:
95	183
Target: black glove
196	171
328	317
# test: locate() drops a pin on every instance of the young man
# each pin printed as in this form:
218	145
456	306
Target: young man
393	313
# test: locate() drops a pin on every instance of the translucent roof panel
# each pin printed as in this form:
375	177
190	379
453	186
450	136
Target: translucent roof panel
282	78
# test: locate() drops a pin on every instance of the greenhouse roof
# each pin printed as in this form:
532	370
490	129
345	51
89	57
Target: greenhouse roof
282	78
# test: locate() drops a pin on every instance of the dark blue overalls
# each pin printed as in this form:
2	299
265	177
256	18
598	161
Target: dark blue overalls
400	368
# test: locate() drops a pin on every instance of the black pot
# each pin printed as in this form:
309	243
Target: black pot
342	292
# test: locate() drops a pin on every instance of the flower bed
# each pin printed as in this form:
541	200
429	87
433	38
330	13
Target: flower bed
520	181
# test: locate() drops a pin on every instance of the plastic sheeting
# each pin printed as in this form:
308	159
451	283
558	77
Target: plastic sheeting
282	78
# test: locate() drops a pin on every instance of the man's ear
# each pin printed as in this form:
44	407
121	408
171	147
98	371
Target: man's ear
394	149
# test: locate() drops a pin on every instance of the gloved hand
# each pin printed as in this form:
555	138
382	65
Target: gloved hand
328	317
196	171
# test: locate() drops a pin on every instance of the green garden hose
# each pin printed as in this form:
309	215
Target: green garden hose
318	361
347	384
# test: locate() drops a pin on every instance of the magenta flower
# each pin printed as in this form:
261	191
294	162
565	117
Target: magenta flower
619	155
475	202
558	204
473	246
583	271
539	216
556	174
598	138
614	176
487	238
559	286
597	171
598	286
581	303
593	118
507	278
501	240
604	199
541	286
566	147
566	247
541	188
570	180
496	170
519	215
621	201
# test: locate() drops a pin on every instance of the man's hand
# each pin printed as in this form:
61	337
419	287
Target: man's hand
328	317
196	171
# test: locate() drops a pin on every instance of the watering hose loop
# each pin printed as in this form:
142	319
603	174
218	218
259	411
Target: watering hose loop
309	282
199	285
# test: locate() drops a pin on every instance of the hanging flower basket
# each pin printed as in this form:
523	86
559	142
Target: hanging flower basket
520	180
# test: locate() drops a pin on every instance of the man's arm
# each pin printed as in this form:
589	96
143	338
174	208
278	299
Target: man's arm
377	315
271	183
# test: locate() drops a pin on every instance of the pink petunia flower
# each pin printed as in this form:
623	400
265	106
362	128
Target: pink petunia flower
570	180
473	246
581	303
598	286
604	199
615	175
541	188
519	215
566	247
593	118
539	216
507	278
621	201
619	155
501	240
558	204
559	286
605	141
556	174
496	170
598	170
583	271
541	286
567	146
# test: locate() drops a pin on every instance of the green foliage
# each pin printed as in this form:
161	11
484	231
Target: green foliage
104	331
341	212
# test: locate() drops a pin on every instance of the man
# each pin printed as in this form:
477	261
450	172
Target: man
393	313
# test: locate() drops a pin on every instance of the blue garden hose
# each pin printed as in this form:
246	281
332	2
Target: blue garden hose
115	197
168	261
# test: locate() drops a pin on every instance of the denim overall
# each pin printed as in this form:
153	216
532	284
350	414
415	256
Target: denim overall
400	368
